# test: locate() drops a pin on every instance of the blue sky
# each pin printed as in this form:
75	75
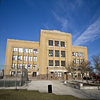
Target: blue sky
23	20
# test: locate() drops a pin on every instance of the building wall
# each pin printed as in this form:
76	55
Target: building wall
44	71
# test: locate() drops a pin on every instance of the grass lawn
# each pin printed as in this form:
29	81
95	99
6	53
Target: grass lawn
33	95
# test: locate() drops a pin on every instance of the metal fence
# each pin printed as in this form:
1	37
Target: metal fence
12	77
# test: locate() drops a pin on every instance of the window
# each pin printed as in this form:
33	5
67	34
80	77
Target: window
62	63
35	59
62	53
74	61
19	58
24	58
20	50
56	62
59	74
12	73
25	50
78	68
34	74
30	58
13	66
15	49
56	43
62	44
81	61
56	53
50	42
73	54
14	58
35	51
77	61
50	62
81	54
50	53
30	50
34	66
19	66
55	74
25	66
77	54
74	68
29	66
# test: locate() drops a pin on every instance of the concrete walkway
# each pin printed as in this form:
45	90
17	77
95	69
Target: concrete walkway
59	89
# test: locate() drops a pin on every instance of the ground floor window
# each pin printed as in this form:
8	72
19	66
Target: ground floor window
59	74
34	74
12	73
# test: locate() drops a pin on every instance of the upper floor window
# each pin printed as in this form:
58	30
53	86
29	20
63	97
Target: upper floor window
15	49
50	42
78	68
30	58
25	66
81	54
50	53
19	66
25	50
56	62
73	54
77	61
19	58
29	66
34	66
74	68
56	53
56	43
74	61
30	50
13	65
14	58
62	44
35	50
62	63
35	59
81	61
77	54
20	50
62	53
50	62
24	58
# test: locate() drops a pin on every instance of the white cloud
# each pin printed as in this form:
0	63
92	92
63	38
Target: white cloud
92	33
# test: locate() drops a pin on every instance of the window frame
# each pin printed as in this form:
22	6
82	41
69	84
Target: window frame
50	43
56	62
62	54
56	53
62	43
57	44
51	53
50	62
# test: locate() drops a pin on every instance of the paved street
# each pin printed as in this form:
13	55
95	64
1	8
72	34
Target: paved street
59	89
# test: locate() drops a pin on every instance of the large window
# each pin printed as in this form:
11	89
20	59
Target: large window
56	53
19	66
50	42
59	74
78	68
62	53
77	61
24	58
77	54
81	61
34	66
74	68
62	44
73	54
29	66
13	65
56	43
30	58
50	62
15	49
62	63
74	61
35	58
35	51
25	50
30	50
56	62
50	53
14	58
20	50
19	58
81	54
25	66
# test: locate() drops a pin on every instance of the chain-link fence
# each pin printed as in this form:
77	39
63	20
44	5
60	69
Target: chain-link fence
12	77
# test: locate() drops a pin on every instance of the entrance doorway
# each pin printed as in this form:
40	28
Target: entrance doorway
34	74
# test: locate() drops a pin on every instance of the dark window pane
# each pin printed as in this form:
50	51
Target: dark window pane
62	44
51	42
50	53
56	62
50	62
62	63
62	53
56	43
56	53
